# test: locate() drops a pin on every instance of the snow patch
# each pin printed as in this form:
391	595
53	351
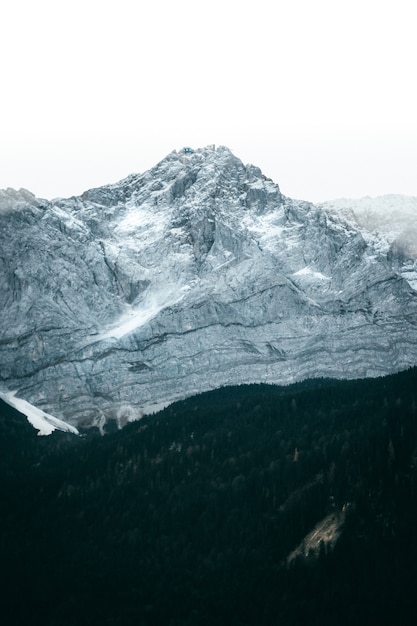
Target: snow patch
142	220
153	304
267	228
43	422
68	219
307	271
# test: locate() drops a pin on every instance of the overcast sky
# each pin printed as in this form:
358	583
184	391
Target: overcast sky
321	94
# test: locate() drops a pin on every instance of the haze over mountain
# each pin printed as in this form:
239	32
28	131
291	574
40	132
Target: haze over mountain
194	275
391	219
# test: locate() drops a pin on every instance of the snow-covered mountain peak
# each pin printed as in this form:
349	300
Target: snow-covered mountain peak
184	174
195	274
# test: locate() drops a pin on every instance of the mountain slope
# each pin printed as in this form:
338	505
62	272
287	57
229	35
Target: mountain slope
389	222
196	274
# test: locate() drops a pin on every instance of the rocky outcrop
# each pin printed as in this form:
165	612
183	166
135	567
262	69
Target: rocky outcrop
194	275
389	225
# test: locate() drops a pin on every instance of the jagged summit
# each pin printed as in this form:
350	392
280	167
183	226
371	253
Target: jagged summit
195	274
216	168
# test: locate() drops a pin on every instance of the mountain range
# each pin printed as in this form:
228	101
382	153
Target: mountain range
195	275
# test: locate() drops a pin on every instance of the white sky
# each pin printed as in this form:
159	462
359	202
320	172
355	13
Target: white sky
321	94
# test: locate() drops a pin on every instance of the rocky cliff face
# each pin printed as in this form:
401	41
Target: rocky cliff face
388	223
196	274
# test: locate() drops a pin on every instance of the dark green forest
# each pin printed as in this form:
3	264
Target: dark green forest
188	517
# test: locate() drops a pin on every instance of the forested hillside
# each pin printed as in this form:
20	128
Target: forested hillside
190	516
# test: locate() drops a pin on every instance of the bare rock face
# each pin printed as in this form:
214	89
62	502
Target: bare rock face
389	223
196	274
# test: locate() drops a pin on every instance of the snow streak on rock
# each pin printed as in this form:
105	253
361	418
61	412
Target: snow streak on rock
40	420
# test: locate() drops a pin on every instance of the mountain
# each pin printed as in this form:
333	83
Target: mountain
390	223
194	275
